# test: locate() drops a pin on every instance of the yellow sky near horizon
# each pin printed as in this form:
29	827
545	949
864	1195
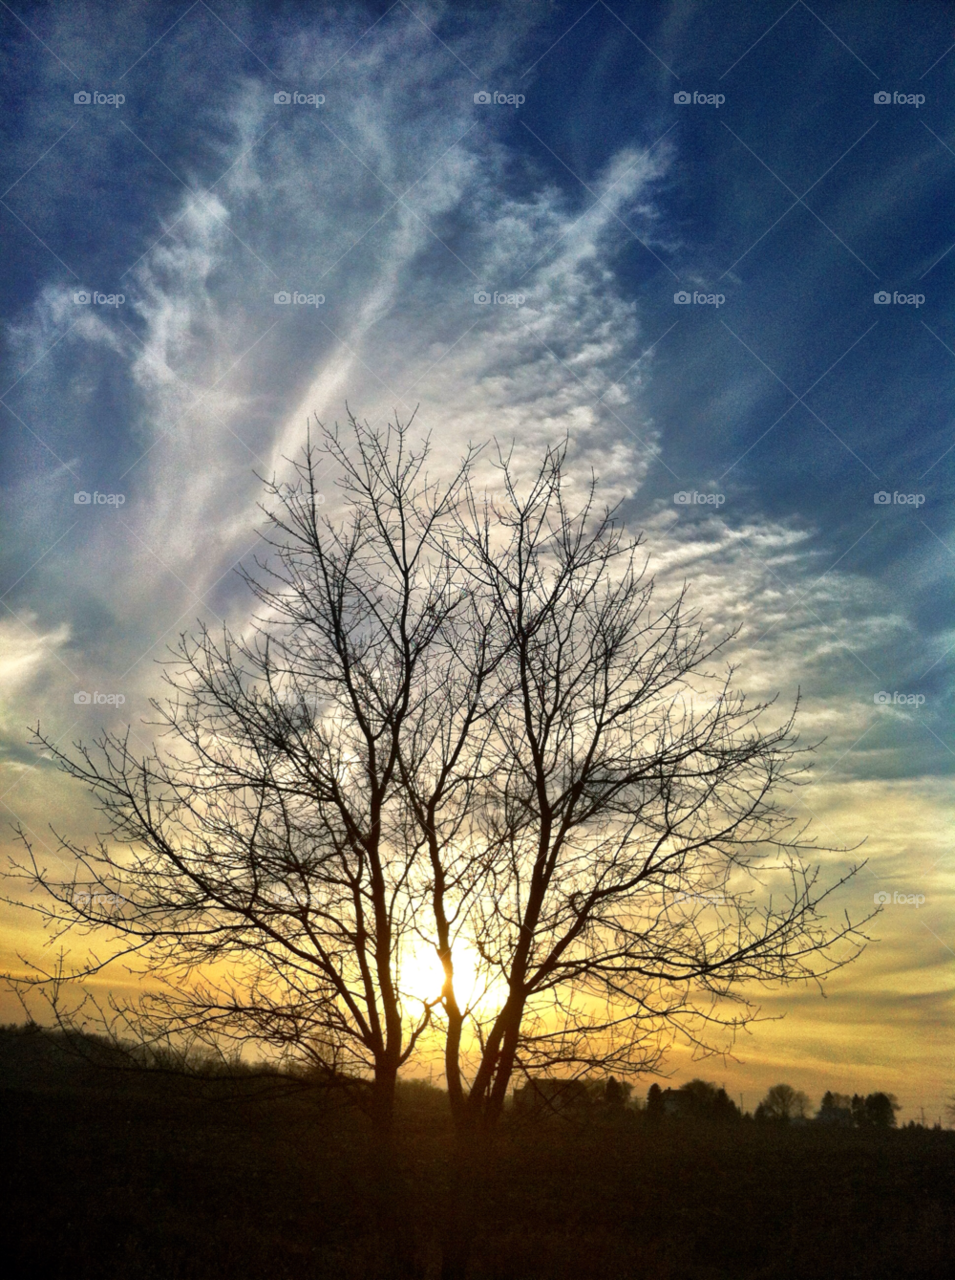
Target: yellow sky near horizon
885	1021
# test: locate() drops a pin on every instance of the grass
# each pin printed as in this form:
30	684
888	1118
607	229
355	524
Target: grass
146	1176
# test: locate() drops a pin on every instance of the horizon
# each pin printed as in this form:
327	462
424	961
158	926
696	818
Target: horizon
635	1097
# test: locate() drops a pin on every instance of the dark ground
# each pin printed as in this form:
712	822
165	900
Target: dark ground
132	1177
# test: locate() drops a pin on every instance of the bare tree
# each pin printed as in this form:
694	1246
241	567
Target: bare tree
783	1102
460	726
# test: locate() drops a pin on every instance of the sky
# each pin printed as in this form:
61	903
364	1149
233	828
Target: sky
711	243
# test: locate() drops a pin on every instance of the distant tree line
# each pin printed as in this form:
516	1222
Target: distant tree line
875	1110
70	1055
702	1101
782	1104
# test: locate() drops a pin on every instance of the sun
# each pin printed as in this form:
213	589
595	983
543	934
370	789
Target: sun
421	976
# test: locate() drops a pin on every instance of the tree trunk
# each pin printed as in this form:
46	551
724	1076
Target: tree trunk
391	1207
469	1167
382	1106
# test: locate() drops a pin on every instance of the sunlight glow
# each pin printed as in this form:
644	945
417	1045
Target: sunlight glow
421	976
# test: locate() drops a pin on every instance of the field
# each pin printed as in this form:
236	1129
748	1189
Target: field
149	1176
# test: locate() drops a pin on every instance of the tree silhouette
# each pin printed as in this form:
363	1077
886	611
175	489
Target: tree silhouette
615	1093
460	726
783	1103
706	1101
835	1109
878	1111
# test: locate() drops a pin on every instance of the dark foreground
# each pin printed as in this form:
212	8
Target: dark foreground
156	1178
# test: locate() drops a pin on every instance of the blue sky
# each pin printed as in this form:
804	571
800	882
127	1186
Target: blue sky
782	190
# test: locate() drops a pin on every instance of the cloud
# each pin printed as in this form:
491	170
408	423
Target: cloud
398	204
400	210
31	660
